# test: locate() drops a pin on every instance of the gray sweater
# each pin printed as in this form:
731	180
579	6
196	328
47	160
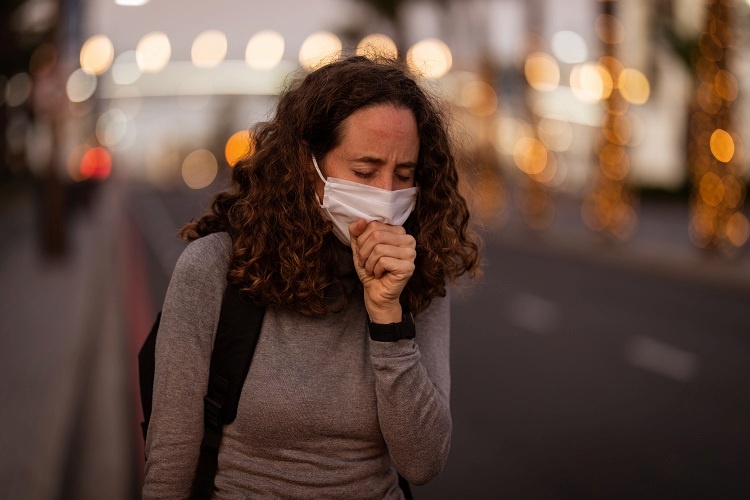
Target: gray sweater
324	413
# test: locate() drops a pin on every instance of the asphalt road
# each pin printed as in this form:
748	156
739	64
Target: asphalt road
572	378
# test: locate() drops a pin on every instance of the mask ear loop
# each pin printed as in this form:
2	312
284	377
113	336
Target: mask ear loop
315	163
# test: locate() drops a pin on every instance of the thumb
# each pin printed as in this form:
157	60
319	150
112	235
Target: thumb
356	229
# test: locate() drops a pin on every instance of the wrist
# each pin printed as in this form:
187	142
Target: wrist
393	331
384	315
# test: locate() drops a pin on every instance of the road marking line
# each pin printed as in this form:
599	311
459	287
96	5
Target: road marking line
656	356
533	313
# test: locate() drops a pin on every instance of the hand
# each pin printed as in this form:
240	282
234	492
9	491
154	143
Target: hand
384	260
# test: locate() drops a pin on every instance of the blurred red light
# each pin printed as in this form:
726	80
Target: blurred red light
96	163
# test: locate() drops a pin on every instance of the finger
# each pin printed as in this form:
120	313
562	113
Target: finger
379	226
400	269
380	244
357	228
370	239
381	251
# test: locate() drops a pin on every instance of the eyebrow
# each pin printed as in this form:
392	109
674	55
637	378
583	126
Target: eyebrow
377	161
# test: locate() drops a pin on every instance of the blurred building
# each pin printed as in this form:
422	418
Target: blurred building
154	90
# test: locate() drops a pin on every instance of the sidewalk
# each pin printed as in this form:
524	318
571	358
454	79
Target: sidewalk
67	412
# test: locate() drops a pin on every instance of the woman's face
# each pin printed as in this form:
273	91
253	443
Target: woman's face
379	147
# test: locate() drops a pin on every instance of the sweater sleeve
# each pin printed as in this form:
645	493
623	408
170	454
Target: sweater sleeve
412	384
183	355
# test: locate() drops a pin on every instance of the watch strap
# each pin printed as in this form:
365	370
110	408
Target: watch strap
393	332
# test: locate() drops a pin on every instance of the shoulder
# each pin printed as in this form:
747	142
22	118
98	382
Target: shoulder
211	249
204	258
438	310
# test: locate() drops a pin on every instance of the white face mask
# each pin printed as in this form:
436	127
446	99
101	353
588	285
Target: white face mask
345	202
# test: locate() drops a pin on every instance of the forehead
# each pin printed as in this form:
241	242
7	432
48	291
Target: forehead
382	123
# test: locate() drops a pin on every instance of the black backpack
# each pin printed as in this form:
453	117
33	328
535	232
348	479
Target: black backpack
236	337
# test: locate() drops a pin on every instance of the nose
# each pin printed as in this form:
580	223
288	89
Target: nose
384	181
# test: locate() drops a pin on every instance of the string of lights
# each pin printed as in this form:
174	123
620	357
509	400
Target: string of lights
715	153
608	208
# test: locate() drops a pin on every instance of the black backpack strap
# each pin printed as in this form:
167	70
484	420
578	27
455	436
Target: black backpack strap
236	337
405	487
146	369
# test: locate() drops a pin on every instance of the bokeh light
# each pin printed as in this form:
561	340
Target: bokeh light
726	85
542	71
153	52
199	169
530	155
555	133
708	100
549	171
617	129
722	145
633	86
479	98
319	49
711	189
18	89
125	69
701	227
430	58
590	82
80	86
96	163
614	162
209	49
710	47
609	29
377	45
265	50
111	127
738	229
508	131
239	145
733	191
569	47
97	54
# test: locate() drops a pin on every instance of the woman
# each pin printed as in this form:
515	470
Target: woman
347	225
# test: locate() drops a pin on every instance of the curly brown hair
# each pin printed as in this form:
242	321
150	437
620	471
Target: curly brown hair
284	251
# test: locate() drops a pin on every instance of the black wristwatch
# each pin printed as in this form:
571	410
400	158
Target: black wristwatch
393	332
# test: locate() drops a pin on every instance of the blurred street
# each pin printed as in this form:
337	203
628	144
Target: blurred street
602	148
578	371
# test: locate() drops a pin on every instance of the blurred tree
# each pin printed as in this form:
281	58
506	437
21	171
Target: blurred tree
25	25
609	206
715	152
14	57
715	179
